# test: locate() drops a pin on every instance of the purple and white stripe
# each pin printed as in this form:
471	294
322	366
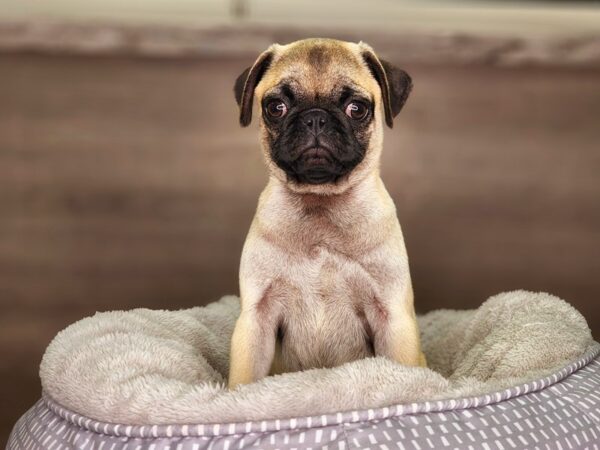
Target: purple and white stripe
561	410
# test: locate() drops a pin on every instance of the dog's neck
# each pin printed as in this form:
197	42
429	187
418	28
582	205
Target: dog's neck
367	199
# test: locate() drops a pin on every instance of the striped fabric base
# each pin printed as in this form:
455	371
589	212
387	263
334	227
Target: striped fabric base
561	411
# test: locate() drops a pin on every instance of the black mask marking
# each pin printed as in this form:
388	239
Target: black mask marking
316	142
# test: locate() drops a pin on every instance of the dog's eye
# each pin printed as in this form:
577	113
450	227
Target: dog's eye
356	110
276	109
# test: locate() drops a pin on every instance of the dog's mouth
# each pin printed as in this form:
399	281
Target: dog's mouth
316	156
316	165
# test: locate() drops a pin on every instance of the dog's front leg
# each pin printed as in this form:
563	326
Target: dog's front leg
395	329
253	340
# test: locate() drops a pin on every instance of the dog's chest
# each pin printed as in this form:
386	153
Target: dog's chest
323	324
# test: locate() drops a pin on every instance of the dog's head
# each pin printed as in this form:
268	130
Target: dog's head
323	103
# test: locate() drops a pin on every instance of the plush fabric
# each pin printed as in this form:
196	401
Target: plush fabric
165	367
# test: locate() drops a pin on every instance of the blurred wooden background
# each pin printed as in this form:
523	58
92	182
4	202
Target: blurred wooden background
126	182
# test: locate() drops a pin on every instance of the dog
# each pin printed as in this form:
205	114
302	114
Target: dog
324	276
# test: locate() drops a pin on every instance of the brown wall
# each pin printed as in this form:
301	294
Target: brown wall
127	183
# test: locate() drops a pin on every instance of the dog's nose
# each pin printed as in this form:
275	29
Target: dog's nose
315	120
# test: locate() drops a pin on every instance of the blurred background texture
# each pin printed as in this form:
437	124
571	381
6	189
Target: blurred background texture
125	180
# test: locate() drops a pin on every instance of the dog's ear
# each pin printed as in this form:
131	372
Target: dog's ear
395	84
246	83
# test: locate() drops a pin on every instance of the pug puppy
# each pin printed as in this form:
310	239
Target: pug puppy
324	275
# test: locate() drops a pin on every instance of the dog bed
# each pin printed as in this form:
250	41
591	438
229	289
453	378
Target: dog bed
521	371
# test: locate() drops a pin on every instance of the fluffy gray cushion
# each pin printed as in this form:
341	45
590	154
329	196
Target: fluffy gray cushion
157	367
